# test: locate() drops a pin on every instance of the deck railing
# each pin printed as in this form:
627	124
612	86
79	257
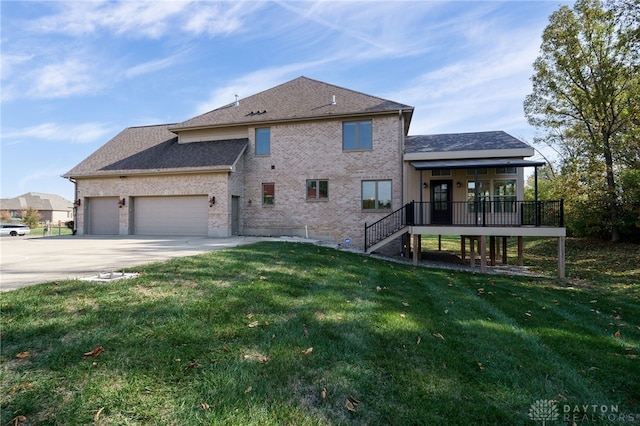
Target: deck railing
467	213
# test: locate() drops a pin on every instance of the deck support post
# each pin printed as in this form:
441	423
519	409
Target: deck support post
483	253
492	250
504	250
416	248
561	257
463	248
520	248
472	252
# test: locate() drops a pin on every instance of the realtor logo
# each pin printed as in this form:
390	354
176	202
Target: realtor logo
544	410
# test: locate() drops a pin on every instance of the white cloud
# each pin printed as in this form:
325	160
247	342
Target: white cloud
151	66
78	133
62	79
145	18
218	18
149	19
9	61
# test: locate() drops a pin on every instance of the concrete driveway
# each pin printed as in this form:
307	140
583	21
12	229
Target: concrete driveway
30	260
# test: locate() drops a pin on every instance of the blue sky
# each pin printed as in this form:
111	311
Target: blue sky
74	74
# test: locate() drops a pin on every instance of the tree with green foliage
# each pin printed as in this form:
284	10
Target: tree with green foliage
31	217
586	93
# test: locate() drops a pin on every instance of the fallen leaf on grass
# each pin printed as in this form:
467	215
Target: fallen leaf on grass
24	354
480	291
480	366
97	351
253	324
438	335
193	365
351	403
249	389
419	340
205	406
257	357
405	304
403	316
323	394
97	416
308	351
617	334
17	421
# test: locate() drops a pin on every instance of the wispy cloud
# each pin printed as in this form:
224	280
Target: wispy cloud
151	66
149	19
62	79
77	133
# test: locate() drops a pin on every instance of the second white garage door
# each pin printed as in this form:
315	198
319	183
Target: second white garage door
171	215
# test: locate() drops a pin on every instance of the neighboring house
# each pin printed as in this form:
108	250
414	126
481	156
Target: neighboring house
52	208
304	158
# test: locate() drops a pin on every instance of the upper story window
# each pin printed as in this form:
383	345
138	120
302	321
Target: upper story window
376	195
317	189
263	141
356	135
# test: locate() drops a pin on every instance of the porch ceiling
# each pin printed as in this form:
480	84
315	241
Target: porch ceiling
475	163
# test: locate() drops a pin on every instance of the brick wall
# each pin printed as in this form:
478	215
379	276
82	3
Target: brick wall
212	184
313	150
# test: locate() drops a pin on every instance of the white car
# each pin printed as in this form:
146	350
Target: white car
14	230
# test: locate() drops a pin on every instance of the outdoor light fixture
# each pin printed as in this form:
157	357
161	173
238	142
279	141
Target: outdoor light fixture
77	202
425	186
122	203
459	185
212	201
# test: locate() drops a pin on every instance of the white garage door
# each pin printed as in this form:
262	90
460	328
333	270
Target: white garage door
103	216
171	215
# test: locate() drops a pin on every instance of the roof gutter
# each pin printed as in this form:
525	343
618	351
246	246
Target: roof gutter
151	172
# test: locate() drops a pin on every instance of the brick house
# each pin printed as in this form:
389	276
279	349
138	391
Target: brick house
304	158
52	208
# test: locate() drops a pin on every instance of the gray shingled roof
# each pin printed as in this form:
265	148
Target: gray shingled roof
154	148
301	98
36	200
462	142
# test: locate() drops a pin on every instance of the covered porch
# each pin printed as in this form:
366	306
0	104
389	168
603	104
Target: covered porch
480	200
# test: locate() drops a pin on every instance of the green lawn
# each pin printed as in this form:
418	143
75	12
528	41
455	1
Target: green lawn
283	333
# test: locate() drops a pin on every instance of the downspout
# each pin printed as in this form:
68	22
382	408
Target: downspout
401	153
75	206
535	195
